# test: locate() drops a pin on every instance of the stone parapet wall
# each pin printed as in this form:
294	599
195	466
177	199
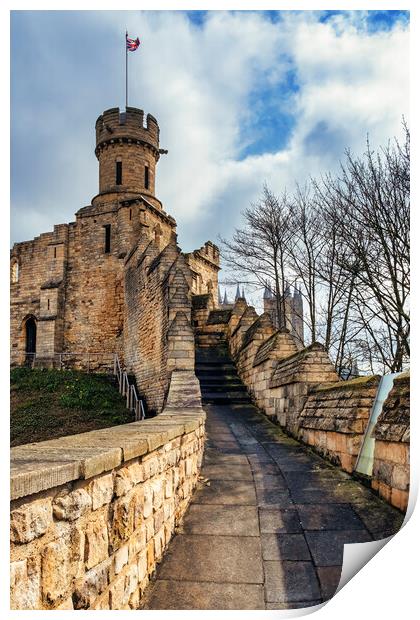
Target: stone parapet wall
391	464
303	393
335	417
92	514
292	379
158	336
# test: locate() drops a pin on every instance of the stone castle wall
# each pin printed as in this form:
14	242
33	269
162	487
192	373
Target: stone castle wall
301	391
391	465
204	264
158	336
335	416
38	289
74	286
92	514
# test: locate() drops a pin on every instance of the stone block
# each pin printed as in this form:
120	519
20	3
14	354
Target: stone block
123	482
120	559
158	519
30	520
116	593
347	462
150	528
384	491
137	541
148	501
399	499
122	525
400	478
71	506
91	586
28	476
55	572
158	493
136	471
340	442
150	552
25	584
150	466
96	541
102	490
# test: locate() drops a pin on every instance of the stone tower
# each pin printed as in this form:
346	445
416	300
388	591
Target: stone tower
293	303
69	286
127	149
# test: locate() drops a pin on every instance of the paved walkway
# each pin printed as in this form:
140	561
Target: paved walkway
267	531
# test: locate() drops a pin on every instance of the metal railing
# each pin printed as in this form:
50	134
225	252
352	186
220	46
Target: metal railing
127	389
92	362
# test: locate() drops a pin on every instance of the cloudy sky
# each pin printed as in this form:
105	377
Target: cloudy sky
242	98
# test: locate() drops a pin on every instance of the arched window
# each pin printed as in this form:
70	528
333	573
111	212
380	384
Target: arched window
15	271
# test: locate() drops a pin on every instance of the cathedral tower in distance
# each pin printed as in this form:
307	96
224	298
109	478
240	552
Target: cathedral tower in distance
293	304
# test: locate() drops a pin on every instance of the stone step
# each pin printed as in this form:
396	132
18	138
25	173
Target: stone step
217	371
215	336
225	398
223	387
221	380
212	361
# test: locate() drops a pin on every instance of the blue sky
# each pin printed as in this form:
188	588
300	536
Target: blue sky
242	98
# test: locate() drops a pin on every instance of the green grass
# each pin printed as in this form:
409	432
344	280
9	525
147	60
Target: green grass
52	403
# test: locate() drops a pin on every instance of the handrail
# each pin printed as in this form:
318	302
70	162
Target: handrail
125	388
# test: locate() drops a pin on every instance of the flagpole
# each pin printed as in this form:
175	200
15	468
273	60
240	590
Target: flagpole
126	71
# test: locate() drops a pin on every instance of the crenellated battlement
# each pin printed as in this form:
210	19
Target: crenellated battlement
129	126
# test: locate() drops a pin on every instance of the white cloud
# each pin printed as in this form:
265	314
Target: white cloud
197	82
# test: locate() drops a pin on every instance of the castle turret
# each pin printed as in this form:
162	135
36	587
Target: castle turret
127	149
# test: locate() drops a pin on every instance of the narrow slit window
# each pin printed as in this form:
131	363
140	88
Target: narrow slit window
146	177
118	172
107	248
48	304
131	214
55	252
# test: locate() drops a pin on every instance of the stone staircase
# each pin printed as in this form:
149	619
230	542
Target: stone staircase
219	381
209	339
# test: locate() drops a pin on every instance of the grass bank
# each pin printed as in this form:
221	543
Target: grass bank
51	403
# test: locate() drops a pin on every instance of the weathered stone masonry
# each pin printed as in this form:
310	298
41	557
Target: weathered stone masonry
92	514
302	392
75	283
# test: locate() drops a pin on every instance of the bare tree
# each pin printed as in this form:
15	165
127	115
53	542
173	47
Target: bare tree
346	239
259	248
372	201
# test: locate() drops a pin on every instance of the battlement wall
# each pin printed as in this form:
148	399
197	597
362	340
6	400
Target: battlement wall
114	125
301	391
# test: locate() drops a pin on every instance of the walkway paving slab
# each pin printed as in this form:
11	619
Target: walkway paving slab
221	472
227	492
329	578
287	582
278	521
219	559
267	531
169	594
221	520
280	547
329	517
327	547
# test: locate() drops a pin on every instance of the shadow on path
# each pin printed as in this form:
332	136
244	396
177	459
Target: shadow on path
267	529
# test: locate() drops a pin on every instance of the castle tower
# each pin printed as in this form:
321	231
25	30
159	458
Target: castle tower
293	307
127	149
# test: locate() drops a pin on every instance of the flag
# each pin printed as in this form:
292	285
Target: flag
132	44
